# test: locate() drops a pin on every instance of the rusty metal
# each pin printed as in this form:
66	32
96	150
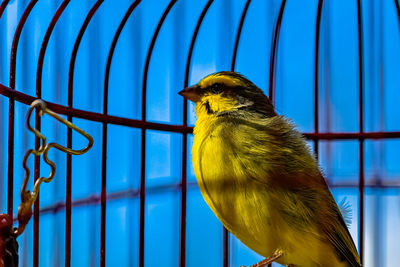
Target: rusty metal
27	198
8	243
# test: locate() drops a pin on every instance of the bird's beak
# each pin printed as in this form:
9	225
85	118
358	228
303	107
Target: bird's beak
192	93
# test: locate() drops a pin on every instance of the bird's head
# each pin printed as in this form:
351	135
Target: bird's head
227	93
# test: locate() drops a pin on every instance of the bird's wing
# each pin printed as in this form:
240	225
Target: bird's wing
316	207
285	163
339	235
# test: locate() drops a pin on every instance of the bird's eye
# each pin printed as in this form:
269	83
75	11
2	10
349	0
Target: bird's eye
216	88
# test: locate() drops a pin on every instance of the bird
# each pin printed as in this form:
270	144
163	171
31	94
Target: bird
258	176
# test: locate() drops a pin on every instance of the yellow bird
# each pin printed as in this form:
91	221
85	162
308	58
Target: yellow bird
258	176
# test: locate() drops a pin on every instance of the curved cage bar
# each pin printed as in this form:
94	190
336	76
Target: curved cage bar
104	137
68	185
143	132
272	63
11	104
36	175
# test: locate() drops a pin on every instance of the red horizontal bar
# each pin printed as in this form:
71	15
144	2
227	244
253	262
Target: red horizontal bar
99	117
94	116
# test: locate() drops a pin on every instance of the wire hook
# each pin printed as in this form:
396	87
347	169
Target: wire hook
28	198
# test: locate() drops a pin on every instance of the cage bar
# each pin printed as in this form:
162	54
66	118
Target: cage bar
274	54
396	3
143	139
3	6
225	235
182	241
316	74
68	202
104	137
39	71
361	129
239	32
11	108
116	120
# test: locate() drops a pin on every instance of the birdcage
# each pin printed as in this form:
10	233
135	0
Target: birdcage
114	68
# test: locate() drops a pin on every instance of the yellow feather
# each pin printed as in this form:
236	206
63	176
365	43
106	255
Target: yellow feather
261	181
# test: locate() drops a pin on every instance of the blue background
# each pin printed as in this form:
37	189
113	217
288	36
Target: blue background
338	107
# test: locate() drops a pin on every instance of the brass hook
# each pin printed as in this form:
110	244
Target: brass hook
27	198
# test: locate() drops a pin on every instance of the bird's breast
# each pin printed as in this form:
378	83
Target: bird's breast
239	201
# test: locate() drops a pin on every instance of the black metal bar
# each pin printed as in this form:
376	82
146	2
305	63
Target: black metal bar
396	2
316	74
193	41
225	233
39	70
361	125
36	205
225	247
17	35
142	196
239	32
148	56
3	7
10	163
143	133
274	51
68	202
182	240
11	108
104	137
182	243
103	198
43	47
